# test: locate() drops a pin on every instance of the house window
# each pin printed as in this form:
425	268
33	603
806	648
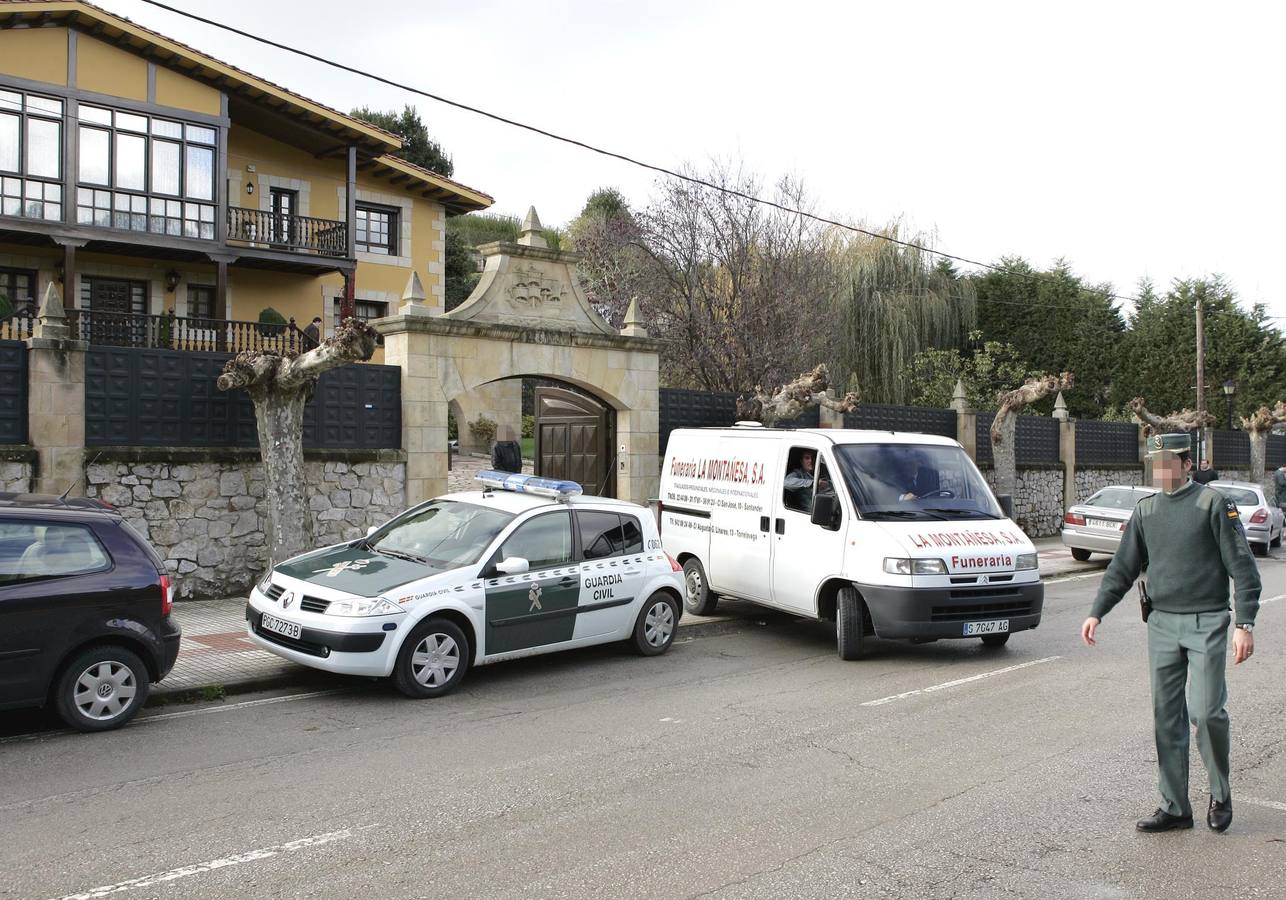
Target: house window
376	230
141	173
362	309
201	301
18	286
113	295
31	156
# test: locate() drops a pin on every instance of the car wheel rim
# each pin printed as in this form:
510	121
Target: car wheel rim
658	624
105	690
435	660
693	583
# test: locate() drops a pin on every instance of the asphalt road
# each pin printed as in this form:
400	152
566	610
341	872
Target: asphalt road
749	762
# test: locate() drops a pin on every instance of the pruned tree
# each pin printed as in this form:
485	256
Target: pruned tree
1006	422
1261	423
1183	420
280	385
792	398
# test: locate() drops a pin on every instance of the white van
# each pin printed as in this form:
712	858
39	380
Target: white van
890	534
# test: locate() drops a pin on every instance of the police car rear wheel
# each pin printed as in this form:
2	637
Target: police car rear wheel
656	625
850	630
433	659
697	598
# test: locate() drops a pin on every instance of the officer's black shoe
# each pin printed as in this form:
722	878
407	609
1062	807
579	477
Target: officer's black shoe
1220	815
1163	821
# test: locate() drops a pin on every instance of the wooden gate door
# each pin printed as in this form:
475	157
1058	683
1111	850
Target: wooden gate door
574	440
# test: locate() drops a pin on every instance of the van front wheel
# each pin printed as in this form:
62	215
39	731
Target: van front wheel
697	597
850	630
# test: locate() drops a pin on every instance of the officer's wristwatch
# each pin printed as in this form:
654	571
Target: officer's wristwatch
1247	628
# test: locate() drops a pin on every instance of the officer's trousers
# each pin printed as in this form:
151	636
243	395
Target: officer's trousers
1182	645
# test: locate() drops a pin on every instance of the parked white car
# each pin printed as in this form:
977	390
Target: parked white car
1096	525
521	567
1262	520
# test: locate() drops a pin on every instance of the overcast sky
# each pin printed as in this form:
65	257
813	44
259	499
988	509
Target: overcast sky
1134	139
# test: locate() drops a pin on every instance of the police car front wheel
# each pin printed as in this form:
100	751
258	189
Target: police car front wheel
433	659
656	624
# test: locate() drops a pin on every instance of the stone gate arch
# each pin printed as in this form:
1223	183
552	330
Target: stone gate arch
528	317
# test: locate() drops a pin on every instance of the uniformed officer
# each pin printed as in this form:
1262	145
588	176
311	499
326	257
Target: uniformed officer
1189	540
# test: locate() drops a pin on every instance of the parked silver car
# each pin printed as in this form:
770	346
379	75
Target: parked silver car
1262	520
1095	526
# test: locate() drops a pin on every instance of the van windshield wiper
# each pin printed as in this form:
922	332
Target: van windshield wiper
982	514
900	514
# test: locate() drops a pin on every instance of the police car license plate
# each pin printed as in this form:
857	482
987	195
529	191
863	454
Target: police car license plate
277	626
995	626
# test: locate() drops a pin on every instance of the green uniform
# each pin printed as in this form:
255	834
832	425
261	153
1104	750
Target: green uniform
1189	542
1279	485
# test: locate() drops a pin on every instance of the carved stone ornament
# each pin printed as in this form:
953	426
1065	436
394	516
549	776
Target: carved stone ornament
532	289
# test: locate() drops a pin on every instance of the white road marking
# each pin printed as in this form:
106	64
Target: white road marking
1074	577
1267	804
148	881
958	682
244	704
1272	599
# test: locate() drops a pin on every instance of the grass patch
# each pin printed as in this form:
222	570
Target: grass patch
528	448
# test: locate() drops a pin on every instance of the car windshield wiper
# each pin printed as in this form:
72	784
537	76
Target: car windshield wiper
983	514
401	554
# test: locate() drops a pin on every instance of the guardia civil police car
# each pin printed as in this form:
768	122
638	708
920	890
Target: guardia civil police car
523	566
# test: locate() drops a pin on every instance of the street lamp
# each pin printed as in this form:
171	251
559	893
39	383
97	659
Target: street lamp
1229	388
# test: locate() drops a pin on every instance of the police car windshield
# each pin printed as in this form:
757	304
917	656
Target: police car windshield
915	481
444	534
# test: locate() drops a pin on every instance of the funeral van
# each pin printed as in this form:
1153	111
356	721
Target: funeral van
888	534
524	565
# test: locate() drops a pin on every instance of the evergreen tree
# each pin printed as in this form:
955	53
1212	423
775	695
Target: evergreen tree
417	146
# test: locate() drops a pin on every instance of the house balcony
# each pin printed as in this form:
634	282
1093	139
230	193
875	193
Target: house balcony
264	239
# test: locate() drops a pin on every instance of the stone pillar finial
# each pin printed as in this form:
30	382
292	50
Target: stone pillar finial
531	233
1060	408
959	398
51	320
633	321
413	297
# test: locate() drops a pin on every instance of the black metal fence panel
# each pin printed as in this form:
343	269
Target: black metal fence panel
982	437
681	408
1035	440
136	397
809	418
1106	443
921	419
1275	452
1231	449
13	392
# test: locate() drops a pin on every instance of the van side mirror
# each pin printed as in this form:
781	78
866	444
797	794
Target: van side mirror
513	565
1006	502
826	511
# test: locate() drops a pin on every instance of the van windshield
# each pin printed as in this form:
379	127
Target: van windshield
915	481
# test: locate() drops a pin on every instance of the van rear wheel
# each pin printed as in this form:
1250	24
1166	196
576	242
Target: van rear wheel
697	597
850	626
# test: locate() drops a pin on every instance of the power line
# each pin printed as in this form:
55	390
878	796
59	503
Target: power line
691	179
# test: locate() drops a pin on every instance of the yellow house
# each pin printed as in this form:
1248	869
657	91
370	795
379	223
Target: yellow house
172	197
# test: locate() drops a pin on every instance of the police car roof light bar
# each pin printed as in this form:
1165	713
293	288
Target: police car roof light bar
529	484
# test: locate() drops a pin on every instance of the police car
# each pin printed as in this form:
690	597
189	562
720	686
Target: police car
525	565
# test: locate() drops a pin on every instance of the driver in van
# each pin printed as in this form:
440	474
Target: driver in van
799	482
923	479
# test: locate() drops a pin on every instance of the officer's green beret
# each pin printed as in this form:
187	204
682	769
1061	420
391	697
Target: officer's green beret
1180	442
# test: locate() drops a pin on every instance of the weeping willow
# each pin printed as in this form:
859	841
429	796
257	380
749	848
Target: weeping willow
892	302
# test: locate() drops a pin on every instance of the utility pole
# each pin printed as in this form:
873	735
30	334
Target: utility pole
1201	375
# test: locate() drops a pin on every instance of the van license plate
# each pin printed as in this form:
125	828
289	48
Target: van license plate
995	626
289	629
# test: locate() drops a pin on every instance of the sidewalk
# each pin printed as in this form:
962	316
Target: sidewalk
216	654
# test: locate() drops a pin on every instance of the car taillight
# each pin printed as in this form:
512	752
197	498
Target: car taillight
167	598
1073	519
1123	524
1260	517
674	563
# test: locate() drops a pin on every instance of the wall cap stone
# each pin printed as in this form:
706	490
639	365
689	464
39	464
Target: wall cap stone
525	334
66	346
18	453
232	455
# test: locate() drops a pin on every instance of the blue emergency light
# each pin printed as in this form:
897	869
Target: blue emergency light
529	484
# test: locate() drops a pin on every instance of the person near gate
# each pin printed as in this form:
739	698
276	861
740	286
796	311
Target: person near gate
1188	541
1206	474
1279	487
313	333
506	453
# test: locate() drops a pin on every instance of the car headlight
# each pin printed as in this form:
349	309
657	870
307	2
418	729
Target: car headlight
1025	561
265	582
363	606
896	566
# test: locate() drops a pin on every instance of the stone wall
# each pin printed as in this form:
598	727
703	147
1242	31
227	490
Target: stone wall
1089	481
205	511
1038	498
15	474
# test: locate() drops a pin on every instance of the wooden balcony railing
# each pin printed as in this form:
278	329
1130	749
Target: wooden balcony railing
171	332
296	234
19	326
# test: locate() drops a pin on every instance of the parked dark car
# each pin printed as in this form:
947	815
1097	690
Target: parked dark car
85	603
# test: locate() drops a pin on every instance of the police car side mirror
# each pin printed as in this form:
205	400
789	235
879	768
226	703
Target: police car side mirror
826	511
513	565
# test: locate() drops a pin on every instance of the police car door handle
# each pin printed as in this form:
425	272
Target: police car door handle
568	581
763	524
781	526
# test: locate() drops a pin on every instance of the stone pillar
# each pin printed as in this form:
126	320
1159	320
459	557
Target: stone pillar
56	400
1067	455
829	418
966	421
1144	459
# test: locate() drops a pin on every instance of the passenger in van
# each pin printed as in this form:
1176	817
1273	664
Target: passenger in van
922	480
799	482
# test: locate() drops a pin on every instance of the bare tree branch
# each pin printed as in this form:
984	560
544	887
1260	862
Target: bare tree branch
1183	420
792	398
